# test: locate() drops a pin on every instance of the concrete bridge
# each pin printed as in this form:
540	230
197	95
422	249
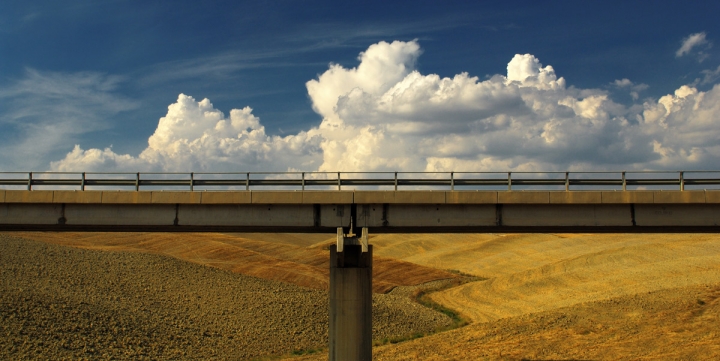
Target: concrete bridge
378	211
353	214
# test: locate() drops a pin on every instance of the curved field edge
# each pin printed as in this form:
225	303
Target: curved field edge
56	299
299	259
418	294
538	274
670	324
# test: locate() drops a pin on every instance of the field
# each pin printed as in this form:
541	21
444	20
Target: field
244	296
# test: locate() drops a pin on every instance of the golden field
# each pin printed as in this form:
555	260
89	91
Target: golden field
540	297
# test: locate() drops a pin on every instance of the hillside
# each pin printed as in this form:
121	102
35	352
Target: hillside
581	296
58	302
544	296
671	324
293	258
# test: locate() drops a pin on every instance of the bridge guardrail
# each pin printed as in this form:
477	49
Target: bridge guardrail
665	180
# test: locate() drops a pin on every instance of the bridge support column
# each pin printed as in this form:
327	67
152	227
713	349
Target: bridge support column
350	333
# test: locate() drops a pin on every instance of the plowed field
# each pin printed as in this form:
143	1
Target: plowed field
542	297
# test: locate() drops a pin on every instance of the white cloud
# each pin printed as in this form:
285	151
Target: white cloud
710	76
635	89
44	110
684	128
625	82
693	41
194	136
384	115
381	67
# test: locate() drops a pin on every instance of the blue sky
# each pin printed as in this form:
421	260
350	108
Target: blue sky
102	74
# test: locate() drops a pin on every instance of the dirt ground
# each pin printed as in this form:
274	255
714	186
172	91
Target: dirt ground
570	297
672	324
58	302
300	259
542	297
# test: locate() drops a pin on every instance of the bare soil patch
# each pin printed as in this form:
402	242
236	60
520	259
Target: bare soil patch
59	302
292	258
543	297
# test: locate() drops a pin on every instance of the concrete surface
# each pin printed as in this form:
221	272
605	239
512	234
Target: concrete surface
246	215
120	197
350	332
419	197
14	196
361	197
176	197
566	215
627	197
679	197
370	197
677	214
510	197
470	197
77	197
576	197
277	197
331	209
326	197
29	213
119	214
226	197
422	215
712	197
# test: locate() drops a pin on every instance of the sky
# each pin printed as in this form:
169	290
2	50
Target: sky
248	86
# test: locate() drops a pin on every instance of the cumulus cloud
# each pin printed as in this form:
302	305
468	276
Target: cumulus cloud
194	136
635	89
45	110
683	128
385	115
691	42
710	75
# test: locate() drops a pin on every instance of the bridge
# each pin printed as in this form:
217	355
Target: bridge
353	205
324	202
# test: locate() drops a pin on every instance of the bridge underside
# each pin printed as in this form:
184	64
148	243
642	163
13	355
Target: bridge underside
378	218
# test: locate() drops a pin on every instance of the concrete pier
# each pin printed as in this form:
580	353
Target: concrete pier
350	304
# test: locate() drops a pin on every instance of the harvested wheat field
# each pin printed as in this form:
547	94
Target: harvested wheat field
570	297
60	302
300	259
539	297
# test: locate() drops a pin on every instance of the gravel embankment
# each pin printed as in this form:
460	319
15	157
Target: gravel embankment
65	303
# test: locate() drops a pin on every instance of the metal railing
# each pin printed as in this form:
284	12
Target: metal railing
621	180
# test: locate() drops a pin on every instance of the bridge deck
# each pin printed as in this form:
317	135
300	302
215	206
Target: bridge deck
360	197
380	211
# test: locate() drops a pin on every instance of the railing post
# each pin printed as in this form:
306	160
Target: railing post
49	179
682	181
567	181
